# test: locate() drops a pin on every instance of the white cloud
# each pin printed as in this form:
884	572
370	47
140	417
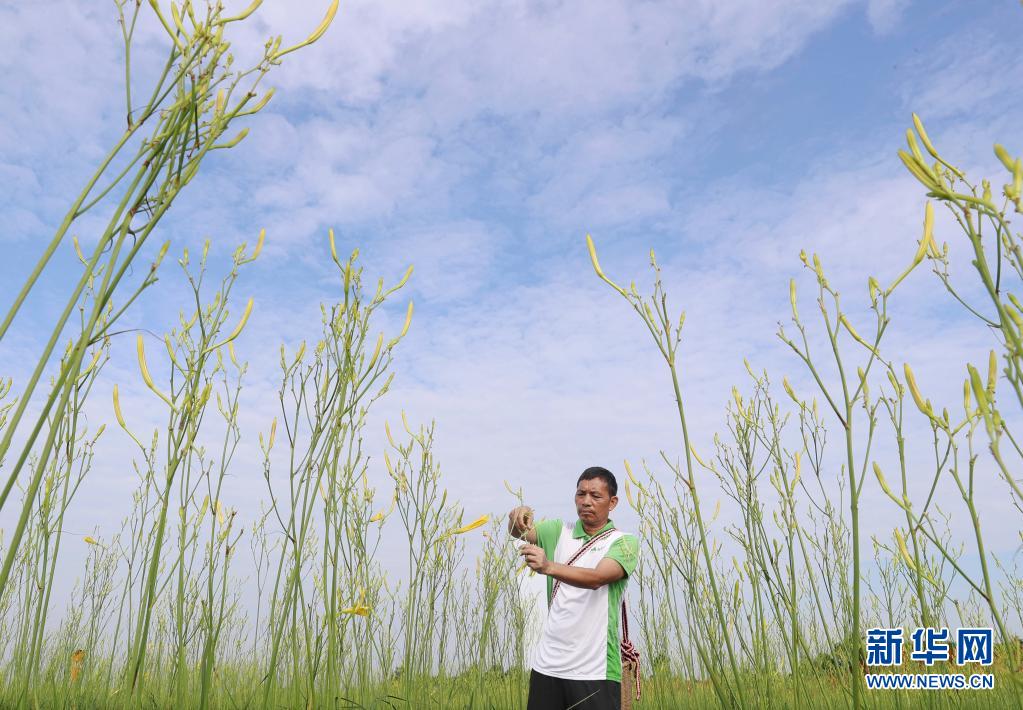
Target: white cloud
517	56
964	76
884	15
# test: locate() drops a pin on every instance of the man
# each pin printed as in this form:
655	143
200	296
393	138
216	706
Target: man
577	662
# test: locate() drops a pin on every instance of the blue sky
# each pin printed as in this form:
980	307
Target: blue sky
480	141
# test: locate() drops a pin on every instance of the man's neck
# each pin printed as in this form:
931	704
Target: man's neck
595	528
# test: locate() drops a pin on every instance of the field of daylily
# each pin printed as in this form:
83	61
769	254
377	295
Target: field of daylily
764	601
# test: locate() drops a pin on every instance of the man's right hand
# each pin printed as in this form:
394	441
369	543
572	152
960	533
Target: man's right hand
520	523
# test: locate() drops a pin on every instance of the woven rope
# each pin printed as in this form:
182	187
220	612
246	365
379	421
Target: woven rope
630	655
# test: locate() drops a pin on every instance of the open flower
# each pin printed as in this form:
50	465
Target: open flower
381	514
77	658
359	609
478	522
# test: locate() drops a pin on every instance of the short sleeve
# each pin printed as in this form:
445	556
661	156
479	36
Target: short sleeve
547	534
625	551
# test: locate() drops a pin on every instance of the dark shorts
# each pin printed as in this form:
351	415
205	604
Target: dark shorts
547	693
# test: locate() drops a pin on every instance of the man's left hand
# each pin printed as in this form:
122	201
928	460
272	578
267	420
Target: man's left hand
535	557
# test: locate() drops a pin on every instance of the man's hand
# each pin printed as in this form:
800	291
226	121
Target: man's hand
520	523
535	557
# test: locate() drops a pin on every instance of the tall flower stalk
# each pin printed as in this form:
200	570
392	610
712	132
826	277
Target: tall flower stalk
190	108
666	331
325	395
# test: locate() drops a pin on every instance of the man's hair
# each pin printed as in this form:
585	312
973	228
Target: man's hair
601	473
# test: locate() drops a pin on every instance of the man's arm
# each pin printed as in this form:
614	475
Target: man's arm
606	571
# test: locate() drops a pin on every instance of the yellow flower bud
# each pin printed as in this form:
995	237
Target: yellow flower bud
376	352
259	245
141	351
918	124
983	403
316	34
911	142
237	329
903	551
896	387
1003	155
919	170
787	386
163	21
408	320
992	373
628	495
921	404
696	456
333	247
927	240
596	266
628	471
262	103
234	141
404	279
244	13
856	336
78	250
881	479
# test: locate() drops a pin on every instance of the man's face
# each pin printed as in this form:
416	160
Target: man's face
593	502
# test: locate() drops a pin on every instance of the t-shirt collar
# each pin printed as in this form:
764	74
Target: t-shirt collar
580	533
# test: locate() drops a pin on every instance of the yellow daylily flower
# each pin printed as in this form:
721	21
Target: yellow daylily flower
478	522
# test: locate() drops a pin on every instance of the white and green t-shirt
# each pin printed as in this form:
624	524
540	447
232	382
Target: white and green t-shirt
579	640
